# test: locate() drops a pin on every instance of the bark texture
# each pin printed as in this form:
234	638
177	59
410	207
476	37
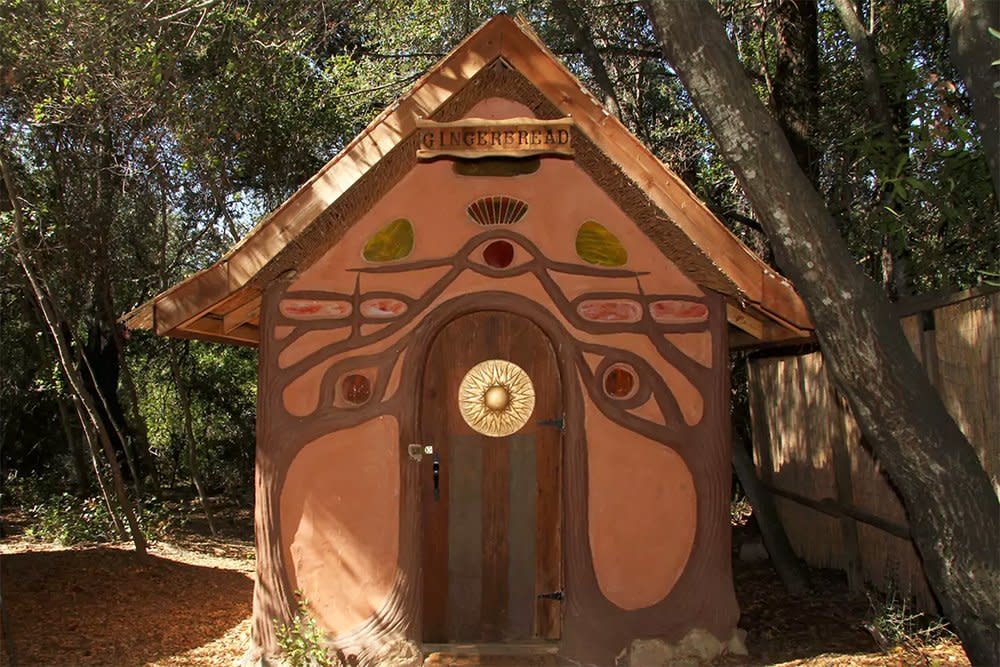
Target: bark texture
953	511
192	453
571	16
64	355
786	564
973	49
796	76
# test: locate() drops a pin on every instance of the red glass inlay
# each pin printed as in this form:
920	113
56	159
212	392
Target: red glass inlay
619	382
356	388
499	254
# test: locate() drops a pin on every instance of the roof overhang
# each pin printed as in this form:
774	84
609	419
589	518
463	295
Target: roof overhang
222	302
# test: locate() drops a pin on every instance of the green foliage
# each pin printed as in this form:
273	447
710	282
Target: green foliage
55	515
67	519
740	510
303	642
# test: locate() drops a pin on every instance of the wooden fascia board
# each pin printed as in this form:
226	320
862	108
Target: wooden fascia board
780	300
191	298
197	295
140	317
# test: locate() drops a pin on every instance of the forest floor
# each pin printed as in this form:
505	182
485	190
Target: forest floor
189	603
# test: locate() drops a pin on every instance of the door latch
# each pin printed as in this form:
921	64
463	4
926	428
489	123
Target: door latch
559	423
554	595
437	477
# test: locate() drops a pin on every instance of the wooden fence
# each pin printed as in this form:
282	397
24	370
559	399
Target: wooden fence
838	508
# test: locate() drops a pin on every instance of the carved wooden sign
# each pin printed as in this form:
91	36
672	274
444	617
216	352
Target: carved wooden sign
479	137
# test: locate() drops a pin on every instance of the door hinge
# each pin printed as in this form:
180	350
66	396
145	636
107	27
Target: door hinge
554	595
559	423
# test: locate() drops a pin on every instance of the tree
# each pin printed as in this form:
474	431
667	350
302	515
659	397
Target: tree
954	513
977	52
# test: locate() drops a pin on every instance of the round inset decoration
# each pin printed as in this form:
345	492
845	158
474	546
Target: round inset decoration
356	388
496	398
620	382
499	254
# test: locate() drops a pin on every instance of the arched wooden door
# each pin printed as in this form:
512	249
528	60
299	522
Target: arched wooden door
491	519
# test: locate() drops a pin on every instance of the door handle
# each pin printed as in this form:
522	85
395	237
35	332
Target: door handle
437	476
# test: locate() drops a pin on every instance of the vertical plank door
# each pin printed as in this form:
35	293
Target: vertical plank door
492	533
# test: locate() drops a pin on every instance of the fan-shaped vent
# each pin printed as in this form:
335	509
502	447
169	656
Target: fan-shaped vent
497	210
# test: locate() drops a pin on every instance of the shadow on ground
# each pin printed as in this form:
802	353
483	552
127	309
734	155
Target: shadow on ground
106	606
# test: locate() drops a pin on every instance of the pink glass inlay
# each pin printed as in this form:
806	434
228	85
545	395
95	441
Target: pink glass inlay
382	308
607	310
678	312
314	309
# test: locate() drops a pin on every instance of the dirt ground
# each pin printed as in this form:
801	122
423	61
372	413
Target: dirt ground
189	602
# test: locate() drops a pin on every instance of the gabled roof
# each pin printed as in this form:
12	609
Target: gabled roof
222	302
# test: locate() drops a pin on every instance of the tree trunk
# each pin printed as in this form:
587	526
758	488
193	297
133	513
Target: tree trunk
92	446
973	49
145	461
185	400
135	423
65	358
786	564
796	77
954	514
104	382
890	118
73	443
878	101
570	16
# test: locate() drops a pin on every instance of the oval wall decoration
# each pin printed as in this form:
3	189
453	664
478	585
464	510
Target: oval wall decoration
610	310
496	210
596	245
382	309
392	242
678	312
314	309
496	398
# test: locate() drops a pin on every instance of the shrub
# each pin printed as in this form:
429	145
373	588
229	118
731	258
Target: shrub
303	642
893	622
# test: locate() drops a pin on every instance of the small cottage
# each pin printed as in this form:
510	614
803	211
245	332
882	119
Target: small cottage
493	406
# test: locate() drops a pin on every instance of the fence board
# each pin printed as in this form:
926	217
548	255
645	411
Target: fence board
800	423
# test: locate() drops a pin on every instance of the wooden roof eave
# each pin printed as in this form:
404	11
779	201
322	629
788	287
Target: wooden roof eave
178	310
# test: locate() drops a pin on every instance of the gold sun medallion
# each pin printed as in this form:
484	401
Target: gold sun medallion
496	398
